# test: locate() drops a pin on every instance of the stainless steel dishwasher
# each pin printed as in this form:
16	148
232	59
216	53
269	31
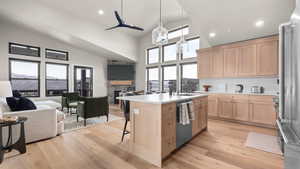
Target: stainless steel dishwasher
183	132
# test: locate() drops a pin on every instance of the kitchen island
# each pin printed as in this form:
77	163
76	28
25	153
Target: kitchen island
154	130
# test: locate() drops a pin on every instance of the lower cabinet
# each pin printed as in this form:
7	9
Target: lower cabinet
212	105
168	128
253	109
225	107
262	113
200	121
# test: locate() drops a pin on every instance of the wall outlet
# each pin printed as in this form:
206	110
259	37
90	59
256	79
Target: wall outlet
136	111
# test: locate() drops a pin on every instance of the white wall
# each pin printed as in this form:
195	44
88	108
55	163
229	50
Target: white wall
10	32
146	42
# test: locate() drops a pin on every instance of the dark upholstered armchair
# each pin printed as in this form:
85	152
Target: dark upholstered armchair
92	107
69	100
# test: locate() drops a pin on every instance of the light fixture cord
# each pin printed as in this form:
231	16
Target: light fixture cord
160	20
122	9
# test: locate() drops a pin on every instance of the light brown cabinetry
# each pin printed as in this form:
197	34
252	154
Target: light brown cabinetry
168	128
240	107
217	62
262	110
267	64
205	63
247	61
252	109
212	106
200	121
225	106
251	58
230	62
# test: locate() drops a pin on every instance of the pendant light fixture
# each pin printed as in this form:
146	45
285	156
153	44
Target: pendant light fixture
160	34
182	42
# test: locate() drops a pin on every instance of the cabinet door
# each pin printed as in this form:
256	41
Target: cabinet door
168	128
204	64
247	61
230	62
203	115
196	121
217	62
241	111
267	58
226	108
262	112
212	106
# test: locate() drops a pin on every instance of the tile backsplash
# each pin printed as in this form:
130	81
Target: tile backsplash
228	84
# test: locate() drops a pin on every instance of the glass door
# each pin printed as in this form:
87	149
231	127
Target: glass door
83	81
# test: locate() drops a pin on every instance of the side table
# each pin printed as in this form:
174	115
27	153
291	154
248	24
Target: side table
20	145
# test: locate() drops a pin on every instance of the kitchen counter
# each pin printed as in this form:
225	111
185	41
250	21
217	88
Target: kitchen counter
160	98
244	93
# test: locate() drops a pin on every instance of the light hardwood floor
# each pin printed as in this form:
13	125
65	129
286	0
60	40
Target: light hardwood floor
99	147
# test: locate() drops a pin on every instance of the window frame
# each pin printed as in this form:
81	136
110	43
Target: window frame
181	72
163	75
190	39
54	50
38	76
54	63
147	55
163	53
147	76
178	29
27	46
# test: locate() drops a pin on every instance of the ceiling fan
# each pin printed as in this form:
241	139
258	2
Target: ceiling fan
121	22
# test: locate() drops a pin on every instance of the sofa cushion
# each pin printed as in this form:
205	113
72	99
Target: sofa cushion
4	106
20	104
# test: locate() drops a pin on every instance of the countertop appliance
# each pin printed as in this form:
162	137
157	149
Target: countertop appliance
239	88
183	132
288	122
257	89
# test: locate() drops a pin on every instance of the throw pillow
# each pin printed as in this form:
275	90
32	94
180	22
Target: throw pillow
20	103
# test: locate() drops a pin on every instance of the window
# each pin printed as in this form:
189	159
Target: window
24	77
56	79
169	78
56	54
178	32
169	53
152	79
153	55
189	78
26	50
190	49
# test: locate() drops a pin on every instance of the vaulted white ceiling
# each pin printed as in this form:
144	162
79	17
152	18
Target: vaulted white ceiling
77	21
234	20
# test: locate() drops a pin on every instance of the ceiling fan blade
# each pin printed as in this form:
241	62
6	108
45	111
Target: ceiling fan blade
111	28
135	28
118	17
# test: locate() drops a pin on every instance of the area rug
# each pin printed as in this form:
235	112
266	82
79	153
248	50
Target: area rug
72	124
263	142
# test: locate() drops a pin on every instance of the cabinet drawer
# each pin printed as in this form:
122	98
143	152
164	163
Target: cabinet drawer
265	99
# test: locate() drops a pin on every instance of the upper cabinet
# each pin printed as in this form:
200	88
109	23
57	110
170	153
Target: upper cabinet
205	63
247	61
251	58
230	61
267	58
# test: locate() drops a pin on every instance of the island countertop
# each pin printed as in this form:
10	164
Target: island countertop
160	98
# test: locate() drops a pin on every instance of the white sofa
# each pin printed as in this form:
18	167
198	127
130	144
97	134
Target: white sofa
43	123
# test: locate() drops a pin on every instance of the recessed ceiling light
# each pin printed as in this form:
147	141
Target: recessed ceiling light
212	34
259	23
100	12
